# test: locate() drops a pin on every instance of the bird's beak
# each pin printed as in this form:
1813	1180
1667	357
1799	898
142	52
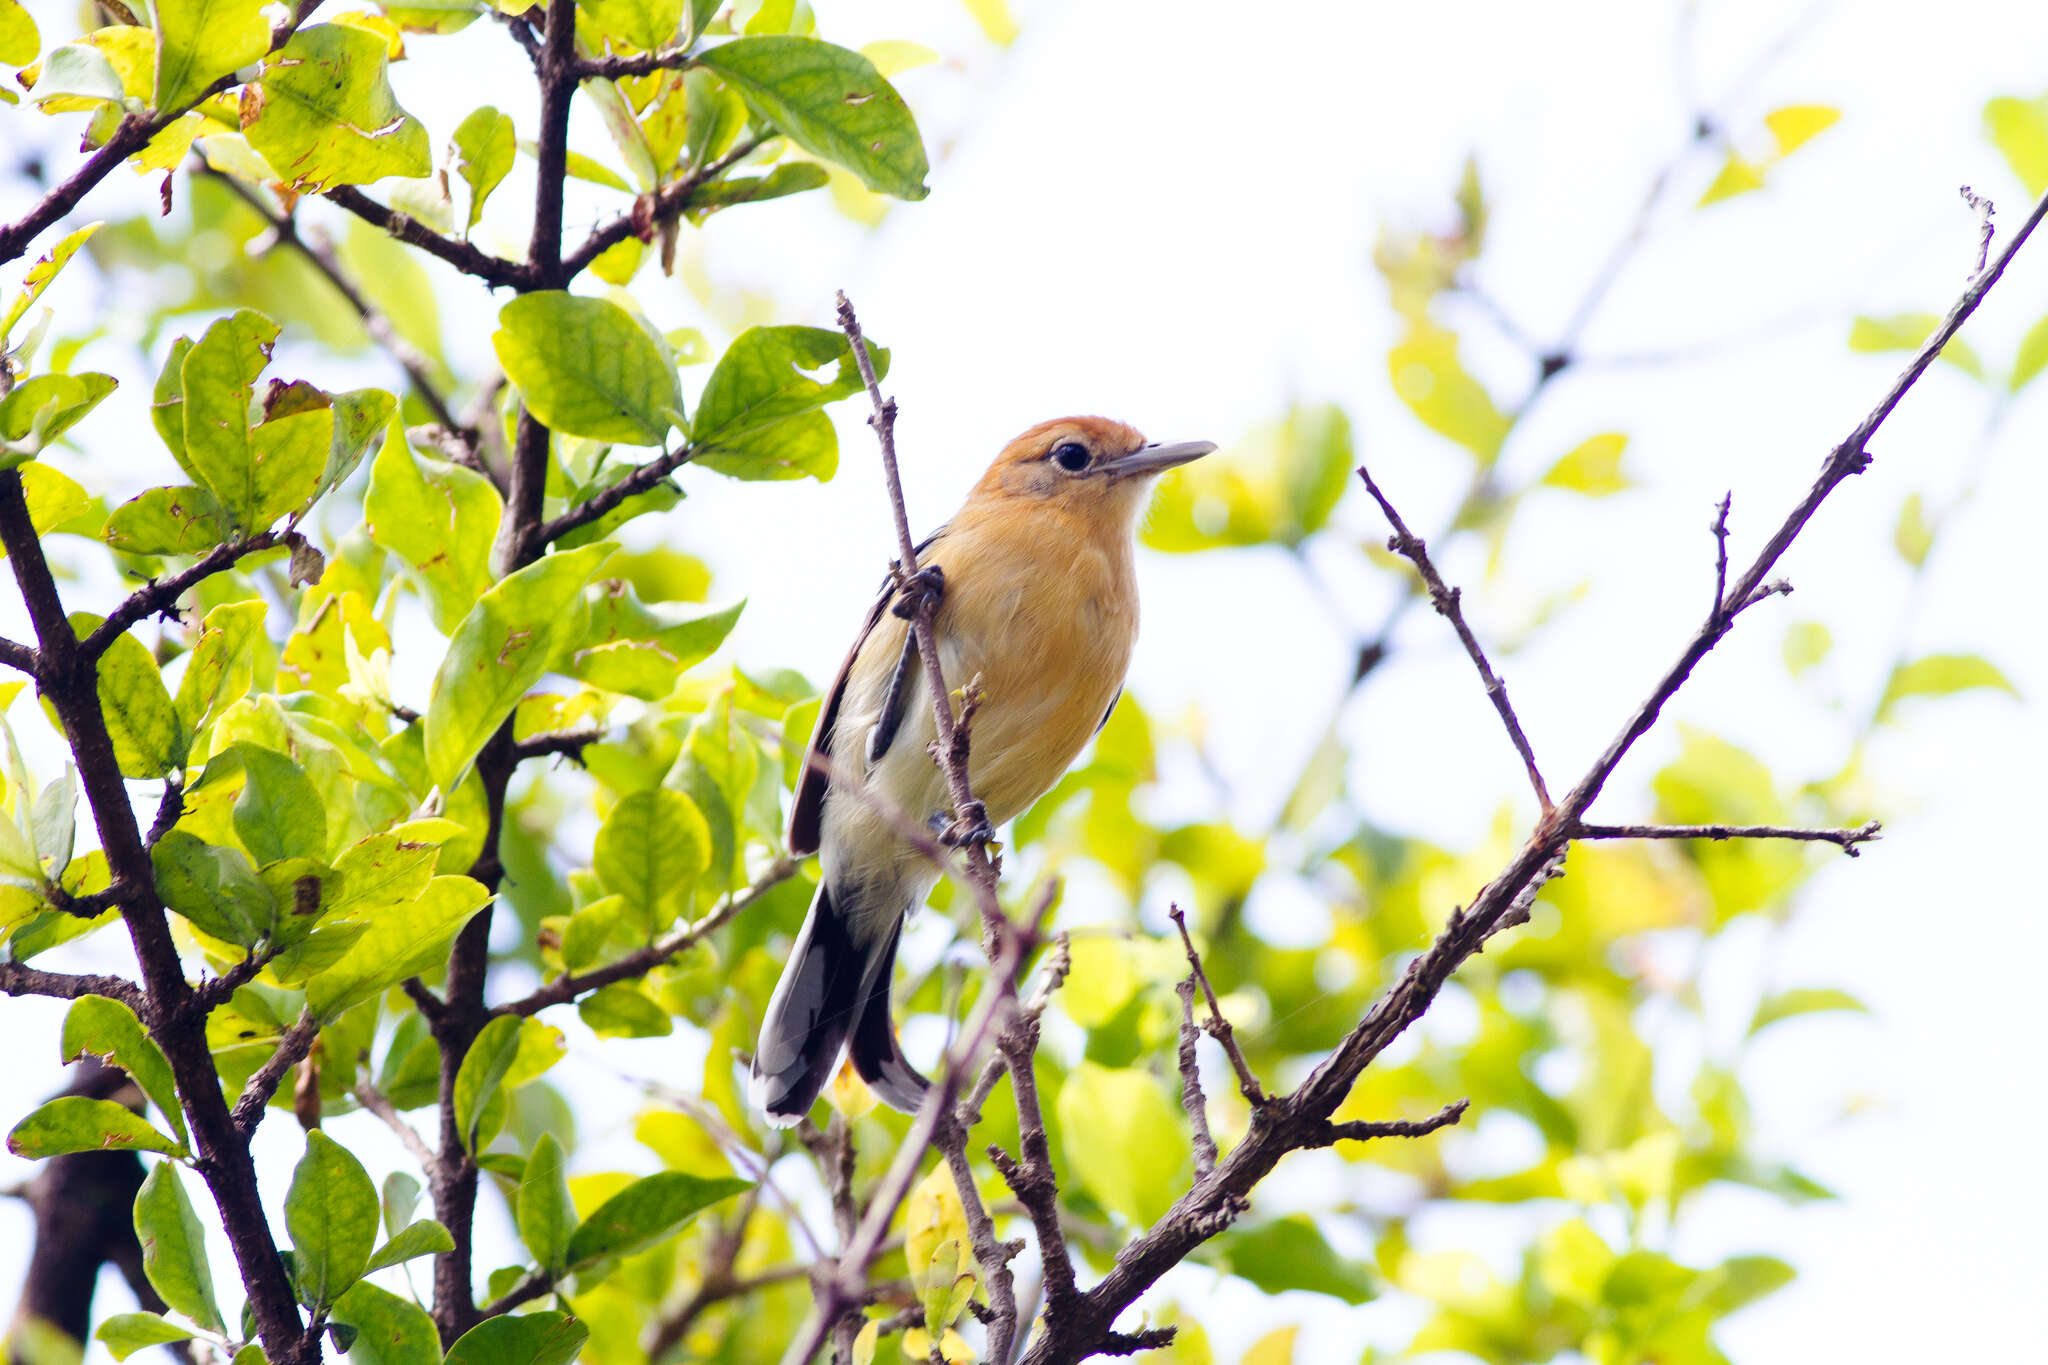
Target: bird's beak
1154	459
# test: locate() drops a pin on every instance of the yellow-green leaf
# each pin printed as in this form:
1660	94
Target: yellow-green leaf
1912	535
1908	332
587	367
2019	128
323	112
199	41
1125	1140
1941	675
1795	125
1593	467
1429	378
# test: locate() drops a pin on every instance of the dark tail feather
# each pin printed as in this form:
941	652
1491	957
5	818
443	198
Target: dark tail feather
875	1054
809	1015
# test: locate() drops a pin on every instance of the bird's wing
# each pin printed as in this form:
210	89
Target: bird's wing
806	816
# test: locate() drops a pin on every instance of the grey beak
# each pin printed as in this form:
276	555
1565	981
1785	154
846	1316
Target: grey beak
1154	459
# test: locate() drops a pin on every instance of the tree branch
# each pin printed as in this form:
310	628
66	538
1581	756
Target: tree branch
377	1102
1364	1130
495	271
1191	1097
641	480
1445	599
1216	1026
292	1048
569	985
611	68
19	657
569	743
558	80
1845	839
161	594
18	978
669	201
1302	1118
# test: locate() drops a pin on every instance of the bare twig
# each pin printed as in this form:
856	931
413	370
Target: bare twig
669	201
292	1048
377	1102
1304	1116
1845	839
536	1285
643	479
568	743
18	978
18	656
994	1256
1216	1026
1364	1130
1191	1097
1445	599
569	985
492	270
162	594
612	67
1983	208
1720	530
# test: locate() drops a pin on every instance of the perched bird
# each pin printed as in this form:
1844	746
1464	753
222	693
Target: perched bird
1039	597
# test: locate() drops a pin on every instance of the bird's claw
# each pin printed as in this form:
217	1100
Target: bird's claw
926	585
972	828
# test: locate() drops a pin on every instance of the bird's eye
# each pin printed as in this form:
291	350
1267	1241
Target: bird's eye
1071	456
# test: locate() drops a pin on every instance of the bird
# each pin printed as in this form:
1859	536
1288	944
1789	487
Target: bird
1036	582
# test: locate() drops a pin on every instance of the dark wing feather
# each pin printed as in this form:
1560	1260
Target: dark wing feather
806	816
1109	710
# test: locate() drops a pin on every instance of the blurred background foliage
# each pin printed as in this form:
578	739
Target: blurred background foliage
1588	1141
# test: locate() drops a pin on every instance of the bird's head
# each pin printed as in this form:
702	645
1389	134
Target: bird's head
1086	466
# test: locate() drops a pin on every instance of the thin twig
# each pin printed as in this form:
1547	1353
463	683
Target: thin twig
492	270
19	656
1445	599
1191	1097
536	1285
161	594
1364	1130
1845	839
993	1256
377	1102
417	367
1302	1116
292	1048
1720	530
643	479
569	985
18	978
669	201
1217	1026
568	743
611	67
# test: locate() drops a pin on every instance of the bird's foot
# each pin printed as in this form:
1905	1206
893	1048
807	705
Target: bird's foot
968	829
926	585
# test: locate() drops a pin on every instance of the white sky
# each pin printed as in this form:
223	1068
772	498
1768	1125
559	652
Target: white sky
1165	212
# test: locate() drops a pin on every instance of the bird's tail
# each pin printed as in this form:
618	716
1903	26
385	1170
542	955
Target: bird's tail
831	987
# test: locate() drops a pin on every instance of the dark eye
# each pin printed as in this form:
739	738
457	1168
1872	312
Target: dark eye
1072	457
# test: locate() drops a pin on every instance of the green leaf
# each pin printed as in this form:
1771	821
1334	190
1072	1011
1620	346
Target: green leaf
80	71
150	740
832	103
174	1246
323	112
2032	357
108	1029
646	25
402	941
222	667
168	521
218	384
520	1339
794	178
1125	1140
390	1329
584	168
440	519
503	646
1806	644
214	887
331	1212
1429	378
199	41
50	262
587	367
651	849
1742	1280
1593	467
483	1067
484	151
648	1211
1908	332
76	1123
759	417
279	813
1941	675
53	497
1803	1000
40	409
622	1010
1292	1253
546	1214
1794	125
424	1238
1913	537
2019	129
127	1333
630	649
1738	175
